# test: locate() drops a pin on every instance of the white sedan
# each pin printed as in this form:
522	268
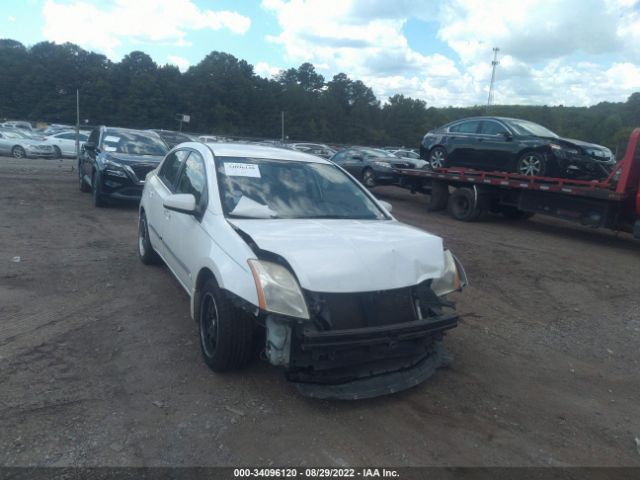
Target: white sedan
287	249
64	143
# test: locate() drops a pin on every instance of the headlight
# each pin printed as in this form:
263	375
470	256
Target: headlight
561	149
383	164
114	168
278	290
452	280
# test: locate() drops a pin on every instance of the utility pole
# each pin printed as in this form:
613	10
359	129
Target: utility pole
77	129
282	127
494	64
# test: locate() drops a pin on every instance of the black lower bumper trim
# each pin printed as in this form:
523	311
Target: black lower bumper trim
382	384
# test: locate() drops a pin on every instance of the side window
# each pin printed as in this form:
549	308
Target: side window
468	127
193	179
67	136
492	128
339	157
171	167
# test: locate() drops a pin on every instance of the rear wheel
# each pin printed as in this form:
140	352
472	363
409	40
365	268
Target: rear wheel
18	152
57	151
368	178
437	157
226	333
532	164
466	205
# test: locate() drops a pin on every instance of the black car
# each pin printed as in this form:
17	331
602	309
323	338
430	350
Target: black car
513	145
373	166
115	162
173	138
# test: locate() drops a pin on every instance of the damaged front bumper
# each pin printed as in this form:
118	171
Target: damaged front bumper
359	362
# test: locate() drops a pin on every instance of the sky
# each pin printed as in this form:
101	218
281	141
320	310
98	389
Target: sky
551	52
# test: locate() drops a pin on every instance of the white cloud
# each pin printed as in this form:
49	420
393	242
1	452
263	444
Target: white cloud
265	70
544	44
181	63
11	18
105	27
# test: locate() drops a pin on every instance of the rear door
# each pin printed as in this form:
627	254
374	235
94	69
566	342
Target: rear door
185	239
462	141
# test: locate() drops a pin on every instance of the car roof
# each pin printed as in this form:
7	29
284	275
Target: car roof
260	151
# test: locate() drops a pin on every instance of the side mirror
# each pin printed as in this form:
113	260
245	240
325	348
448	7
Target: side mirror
182	203
387	206
90	146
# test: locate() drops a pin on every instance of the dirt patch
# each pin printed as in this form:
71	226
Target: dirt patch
99	360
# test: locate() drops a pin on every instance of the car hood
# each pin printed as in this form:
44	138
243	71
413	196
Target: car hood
584	145
349	255
30	141
127	159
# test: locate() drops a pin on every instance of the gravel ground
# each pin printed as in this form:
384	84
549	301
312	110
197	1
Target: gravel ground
100	365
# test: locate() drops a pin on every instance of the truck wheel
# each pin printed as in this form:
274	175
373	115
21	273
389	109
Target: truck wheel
226	333
437	157
467	206
439	196
532	164
147	254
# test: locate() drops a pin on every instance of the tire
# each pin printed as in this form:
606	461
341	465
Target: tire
226	333
532	164
58	152
147	254
368	178
81	183
98	201
437	158
467	206
18	152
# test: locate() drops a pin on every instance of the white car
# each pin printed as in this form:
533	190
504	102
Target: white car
288	249
64	143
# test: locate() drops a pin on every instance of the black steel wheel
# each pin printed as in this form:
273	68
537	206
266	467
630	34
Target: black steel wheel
437	157
466	205
226	333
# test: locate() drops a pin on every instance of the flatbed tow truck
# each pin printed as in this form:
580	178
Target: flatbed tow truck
469	195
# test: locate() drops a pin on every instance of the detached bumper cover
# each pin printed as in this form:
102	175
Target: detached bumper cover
368	362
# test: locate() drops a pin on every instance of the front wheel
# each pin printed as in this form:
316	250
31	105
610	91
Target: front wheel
532	164
18	152
226	333
368	178
81	183
98	201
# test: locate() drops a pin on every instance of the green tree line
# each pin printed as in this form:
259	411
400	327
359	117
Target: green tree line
223	95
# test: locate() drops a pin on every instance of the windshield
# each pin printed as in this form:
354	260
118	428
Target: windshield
15	134
133	143
522	127
264	188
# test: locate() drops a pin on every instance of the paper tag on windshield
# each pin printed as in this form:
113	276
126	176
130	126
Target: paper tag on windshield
109	149
241	170
111	138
